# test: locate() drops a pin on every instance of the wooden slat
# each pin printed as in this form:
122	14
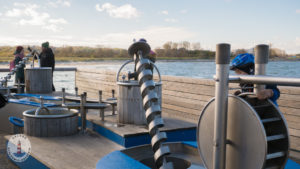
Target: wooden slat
167	93
295	132
185	103
295	143
190	88
289	97
288	103
179	115
290	111
289	90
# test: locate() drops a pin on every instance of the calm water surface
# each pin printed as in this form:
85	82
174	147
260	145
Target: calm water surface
195	69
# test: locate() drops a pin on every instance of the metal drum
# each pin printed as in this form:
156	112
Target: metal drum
56	122
257	134
38	80
130	102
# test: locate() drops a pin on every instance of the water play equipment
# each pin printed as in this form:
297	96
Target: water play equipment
50	122
56	122
38	80
130	100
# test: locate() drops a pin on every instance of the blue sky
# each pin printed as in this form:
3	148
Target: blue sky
116	23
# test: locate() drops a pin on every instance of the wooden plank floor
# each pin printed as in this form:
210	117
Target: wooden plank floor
77	151
4	161
111	123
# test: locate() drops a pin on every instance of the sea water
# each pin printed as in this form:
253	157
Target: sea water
194	69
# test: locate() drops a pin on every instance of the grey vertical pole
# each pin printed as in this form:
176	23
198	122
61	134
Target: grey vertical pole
100	96
5	81
261	60
113	93
76	91
63	95
221	100
83	112
101	111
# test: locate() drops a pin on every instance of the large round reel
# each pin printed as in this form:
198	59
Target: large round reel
257	134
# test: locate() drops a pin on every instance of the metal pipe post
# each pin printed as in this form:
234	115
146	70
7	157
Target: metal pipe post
76	91
113	93
261	60
63	96
83	112
100	96
101	111
221	104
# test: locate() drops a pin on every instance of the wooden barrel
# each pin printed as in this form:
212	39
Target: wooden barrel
130	103
58	123
38	80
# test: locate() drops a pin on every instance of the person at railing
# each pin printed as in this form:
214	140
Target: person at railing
243	64
47	59
19	55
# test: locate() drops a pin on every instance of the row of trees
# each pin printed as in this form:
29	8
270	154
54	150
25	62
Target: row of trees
274	52
183	49
170	49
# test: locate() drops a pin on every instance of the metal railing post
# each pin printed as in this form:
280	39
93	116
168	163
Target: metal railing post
221	104
63	95
261	60
83	112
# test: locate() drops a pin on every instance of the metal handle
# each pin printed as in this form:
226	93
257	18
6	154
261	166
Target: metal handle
38	110
129	61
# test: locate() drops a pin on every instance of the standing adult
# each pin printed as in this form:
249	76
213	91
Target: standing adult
19	55
47	59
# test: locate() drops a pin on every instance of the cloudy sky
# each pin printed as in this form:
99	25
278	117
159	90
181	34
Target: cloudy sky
115	23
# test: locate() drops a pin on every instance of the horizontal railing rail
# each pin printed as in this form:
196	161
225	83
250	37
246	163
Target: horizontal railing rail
56	69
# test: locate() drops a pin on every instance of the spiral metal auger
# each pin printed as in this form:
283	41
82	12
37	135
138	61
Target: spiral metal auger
153	112
3	82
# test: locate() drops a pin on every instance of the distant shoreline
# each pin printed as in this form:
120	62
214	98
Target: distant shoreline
159	60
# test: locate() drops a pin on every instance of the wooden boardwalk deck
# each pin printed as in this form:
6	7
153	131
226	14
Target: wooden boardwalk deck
124	130
77	151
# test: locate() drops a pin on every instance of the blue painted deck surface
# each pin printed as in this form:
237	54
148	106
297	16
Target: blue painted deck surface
119	160
30	103
38	96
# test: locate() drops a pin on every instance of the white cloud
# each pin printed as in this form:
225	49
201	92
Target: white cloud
28	14
297	41
298	11
156	36
172	20
184	11
59	3
58	21
126	11
52	27
13	13
165	12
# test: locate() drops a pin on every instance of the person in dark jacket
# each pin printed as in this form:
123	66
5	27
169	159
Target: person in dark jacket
19	54
243	64
47	58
